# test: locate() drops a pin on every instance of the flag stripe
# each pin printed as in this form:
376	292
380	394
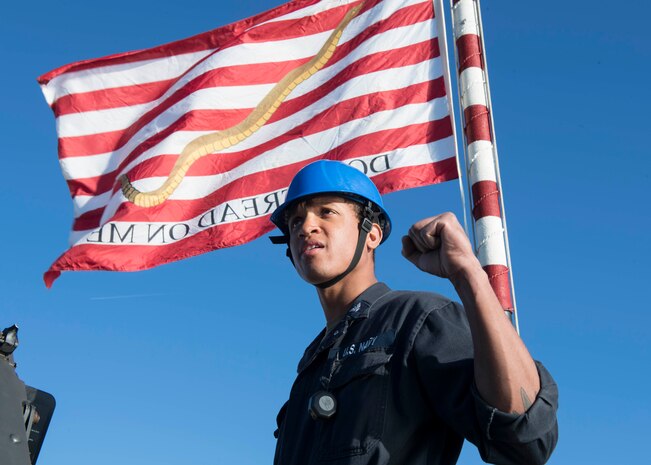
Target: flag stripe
141	71
205	41
389	139
103	99
220	163
386	35
377	100
127	96
83	256
246	49
196	123
410	103
313	10
147	69
402	177
272	180
296	110
252	185
414	51
367	107
319	143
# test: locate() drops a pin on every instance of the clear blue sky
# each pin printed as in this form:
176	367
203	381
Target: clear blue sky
188	363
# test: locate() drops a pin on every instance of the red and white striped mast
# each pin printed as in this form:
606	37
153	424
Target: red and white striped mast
482	167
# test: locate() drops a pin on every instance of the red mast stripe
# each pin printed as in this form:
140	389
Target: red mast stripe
469	50
478	125
485	195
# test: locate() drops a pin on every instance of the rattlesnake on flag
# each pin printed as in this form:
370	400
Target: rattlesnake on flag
219	140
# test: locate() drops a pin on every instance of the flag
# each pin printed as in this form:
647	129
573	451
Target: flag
188	147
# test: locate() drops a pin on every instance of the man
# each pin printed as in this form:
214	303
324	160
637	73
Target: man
401	377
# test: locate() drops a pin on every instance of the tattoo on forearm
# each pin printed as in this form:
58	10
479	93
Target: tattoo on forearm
525	399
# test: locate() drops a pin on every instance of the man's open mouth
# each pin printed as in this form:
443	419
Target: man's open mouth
310	247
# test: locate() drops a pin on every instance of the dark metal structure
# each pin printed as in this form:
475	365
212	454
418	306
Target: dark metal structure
25	412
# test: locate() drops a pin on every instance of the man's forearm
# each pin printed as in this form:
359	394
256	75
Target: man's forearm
505	374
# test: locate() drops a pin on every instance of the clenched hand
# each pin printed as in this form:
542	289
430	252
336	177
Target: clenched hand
438	245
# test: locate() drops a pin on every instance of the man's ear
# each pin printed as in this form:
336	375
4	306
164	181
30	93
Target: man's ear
374	236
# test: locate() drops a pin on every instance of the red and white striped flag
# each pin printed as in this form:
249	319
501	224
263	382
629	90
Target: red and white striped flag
188	147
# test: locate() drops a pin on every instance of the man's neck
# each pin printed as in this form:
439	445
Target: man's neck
336	299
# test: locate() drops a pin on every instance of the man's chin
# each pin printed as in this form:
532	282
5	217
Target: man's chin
315	278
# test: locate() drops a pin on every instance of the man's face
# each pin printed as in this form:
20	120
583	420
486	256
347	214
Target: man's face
323	235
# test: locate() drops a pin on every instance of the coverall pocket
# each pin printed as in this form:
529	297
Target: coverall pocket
360	385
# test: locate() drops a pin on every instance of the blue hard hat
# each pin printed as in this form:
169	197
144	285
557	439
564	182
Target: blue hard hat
332	177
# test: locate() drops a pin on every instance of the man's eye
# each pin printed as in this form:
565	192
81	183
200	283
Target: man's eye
294	222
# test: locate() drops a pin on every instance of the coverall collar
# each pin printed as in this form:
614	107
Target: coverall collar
359	309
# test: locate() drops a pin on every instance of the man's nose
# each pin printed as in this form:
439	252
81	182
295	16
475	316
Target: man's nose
310	224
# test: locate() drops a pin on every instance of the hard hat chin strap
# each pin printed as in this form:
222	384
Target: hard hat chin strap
365	226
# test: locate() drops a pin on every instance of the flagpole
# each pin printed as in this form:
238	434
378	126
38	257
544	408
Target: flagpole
482	167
